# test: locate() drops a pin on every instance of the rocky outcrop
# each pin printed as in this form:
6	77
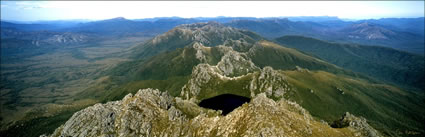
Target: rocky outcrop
209	34
92	121
153	113
42	38
201	75
234	63
67	38
232	66
200	52
270	82
133	115
362	128
240	45
368	31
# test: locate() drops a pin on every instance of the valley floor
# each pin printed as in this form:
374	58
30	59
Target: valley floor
46	85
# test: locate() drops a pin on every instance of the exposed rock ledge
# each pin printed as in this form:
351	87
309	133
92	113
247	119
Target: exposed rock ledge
153	113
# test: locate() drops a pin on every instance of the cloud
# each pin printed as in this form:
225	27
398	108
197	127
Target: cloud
26	5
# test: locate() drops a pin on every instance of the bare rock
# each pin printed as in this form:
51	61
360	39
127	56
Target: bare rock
359	124
153	113
269	81
234	63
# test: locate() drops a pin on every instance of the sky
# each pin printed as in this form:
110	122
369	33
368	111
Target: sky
98	10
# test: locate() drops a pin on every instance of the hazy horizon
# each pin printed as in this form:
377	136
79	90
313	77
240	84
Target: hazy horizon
98	10
282	17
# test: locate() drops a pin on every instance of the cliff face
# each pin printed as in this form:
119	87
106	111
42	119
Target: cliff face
153	113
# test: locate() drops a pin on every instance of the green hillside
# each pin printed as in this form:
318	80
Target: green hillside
386	64
280	57
388	109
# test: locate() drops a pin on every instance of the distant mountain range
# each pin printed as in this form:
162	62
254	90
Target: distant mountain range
364	32
400	33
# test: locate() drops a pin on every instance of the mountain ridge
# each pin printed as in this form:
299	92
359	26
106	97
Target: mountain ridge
163	109
194	62
303	80
379	62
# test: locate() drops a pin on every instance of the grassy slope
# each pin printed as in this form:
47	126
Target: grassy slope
151	48
217	86
279	57
169	64
385	64
38	126
167	71
387	108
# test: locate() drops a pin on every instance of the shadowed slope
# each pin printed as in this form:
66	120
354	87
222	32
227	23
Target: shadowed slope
385	64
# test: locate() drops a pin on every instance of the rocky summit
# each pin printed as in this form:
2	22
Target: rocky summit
151	112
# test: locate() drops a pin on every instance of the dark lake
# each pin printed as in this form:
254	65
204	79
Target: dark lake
226	102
